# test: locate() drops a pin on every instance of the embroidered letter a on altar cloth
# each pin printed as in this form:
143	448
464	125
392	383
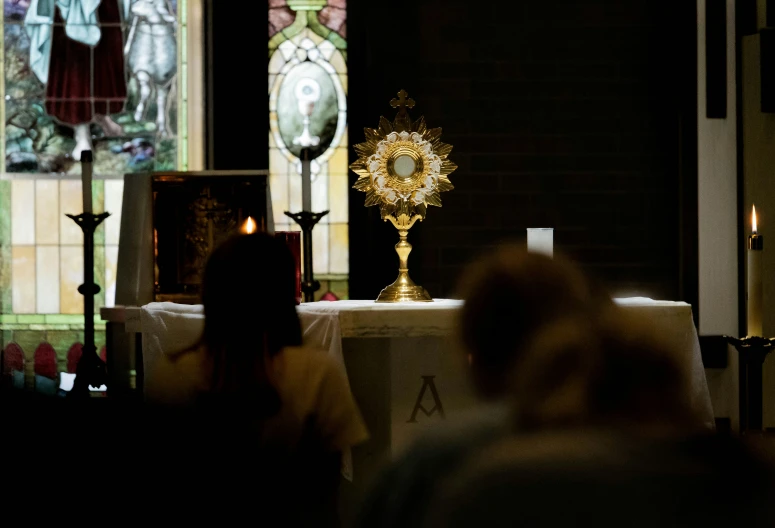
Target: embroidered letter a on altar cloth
428	383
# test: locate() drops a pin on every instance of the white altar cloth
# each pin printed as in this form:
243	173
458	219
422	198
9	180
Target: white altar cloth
367	319
169	327
401	361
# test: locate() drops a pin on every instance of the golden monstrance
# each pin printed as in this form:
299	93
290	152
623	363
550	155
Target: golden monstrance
403	167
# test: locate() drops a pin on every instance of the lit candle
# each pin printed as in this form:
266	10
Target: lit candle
754	294
249	227
86	177
541	240
306	181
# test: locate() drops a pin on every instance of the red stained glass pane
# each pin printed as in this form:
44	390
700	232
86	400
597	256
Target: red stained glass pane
341	4
73	356
279	19
334	18
46	361
13	358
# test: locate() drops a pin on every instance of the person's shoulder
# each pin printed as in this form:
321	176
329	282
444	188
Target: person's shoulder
318	382
191	363
461	433
194	354
436	452
403	490
311	368
309	359
306	354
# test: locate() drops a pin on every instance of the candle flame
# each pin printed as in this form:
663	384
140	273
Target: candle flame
249	227
753	219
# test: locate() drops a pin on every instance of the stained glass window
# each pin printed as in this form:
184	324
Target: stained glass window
98	74
308	107
113	76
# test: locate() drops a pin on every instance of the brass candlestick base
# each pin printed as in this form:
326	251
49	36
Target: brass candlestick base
753	351
403	289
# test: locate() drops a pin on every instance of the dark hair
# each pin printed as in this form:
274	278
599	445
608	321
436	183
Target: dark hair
250	315
509	294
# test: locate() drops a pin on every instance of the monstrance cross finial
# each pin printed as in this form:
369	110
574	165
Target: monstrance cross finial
402	103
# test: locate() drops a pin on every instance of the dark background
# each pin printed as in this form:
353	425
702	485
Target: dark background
573	114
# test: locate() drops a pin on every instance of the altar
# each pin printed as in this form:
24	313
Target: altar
403	366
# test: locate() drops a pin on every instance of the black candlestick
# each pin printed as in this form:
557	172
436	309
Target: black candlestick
91	369
307	221
753	351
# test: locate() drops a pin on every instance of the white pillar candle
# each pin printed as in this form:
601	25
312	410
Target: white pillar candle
754	292
306	181
541	240
86	177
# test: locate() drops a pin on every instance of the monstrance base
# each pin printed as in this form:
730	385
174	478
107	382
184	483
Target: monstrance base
404	290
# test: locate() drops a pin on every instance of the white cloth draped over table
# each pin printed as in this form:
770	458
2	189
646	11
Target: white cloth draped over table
363	319
168	328
675	320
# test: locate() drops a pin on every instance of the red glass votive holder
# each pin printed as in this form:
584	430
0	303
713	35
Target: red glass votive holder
292	239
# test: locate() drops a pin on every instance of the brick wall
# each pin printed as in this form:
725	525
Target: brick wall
563	114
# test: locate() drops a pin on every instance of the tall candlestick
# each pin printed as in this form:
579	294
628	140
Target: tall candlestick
541	240
306	181
754	294
86	177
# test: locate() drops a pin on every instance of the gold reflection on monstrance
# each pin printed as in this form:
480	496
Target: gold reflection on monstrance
403	167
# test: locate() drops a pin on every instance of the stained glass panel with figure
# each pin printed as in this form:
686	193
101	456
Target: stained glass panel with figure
108	75
92	74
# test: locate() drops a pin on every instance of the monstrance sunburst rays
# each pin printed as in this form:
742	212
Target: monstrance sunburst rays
423	161
402	167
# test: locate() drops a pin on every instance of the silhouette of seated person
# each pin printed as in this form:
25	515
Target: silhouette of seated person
586	478
538	336
606	438
265	412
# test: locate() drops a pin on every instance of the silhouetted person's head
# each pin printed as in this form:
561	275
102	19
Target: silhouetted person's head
250	311
508	295
602	369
